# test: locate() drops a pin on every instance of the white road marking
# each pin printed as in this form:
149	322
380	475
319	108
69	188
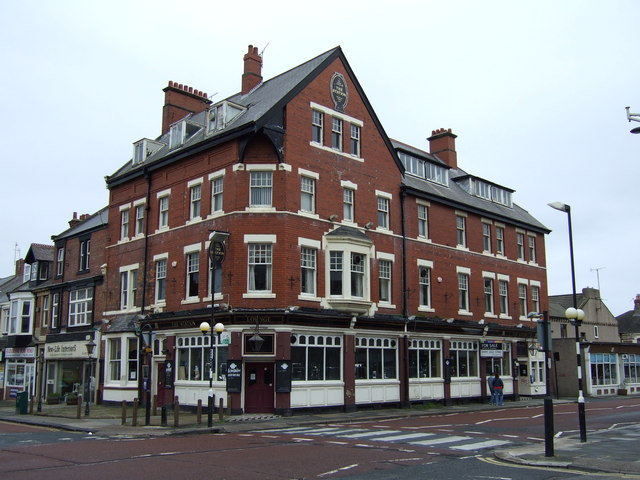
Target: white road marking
438	441
480	445
406	436
370	434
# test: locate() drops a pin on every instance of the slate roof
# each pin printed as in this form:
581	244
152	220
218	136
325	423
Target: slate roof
345	231
629	322
558	304
456	196
95	221
260	102
123	323
39	253
10	284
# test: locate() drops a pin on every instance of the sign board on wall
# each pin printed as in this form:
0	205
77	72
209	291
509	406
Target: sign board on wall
14	352
58	350
491	349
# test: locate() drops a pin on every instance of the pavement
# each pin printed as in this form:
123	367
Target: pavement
612	451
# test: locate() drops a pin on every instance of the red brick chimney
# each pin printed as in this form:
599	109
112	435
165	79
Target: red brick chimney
179	101
252	75
443	144
75	220
636	303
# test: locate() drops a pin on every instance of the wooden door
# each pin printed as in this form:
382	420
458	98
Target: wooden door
259	390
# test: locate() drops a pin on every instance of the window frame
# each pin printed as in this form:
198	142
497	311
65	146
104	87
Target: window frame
486	237
259	254
463	292
305	348
461	231
307	194
308	271
192	279
423	221
260	188
355	145
367	349
337	125
195	201
385	277
163	212
84	255
383	209
348	204
499	240
124	224
80	308
317	126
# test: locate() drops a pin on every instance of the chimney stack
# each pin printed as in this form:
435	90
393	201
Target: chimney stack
252	75
74	221
636	303
179	101
443	144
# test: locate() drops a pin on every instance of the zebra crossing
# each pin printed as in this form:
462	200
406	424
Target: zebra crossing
423	439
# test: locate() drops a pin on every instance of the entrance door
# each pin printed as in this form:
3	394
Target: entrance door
259	391
160	383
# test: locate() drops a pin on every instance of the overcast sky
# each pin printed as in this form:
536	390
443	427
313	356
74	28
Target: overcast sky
535	90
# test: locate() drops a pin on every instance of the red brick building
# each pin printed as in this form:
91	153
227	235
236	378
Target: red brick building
352	269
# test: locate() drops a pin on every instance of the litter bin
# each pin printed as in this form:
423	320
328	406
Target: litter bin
22	403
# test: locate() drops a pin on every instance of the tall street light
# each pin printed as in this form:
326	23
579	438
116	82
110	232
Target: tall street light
90	347
576	316
218	329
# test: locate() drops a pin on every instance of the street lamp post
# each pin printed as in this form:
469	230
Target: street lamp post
576	316
205	328
90	347
147	336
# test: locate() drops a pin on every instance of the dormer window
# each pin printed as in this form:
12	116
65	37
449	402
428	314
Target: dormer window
423	169
143	148
176	135
487	190
180	132
223	114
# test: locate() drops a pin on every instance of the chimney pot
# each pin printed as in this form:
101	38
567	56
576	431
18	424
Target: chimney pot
442	143
179	101
252	75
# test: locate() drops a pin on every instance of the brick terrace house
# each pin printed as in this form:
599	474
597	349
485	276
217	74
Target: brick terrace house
352	269
71	305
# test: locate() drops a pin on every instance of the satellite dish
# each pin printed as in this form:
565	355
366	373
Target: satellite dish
635	130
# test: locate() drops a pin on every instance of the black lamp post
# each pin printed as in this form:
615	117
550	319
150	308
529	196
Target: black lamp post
147	340
41	380
90	347
576	316
218	329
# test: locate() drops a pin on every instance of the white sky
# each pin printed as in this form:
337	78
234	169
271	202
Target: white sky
535	91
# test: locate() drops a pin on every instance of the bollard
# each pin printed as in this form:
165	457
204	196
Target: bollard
154	409
124	412
221	411
199	412
33	399
134	415
163	416
79	406
176	412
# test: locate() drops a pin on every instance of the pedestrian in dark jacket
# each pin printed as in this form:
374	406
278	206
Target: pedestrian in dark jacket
498	386
492	399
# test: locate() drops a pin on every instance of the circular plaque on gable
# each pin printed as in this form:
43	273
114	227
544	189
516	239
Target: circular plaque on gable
339	92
